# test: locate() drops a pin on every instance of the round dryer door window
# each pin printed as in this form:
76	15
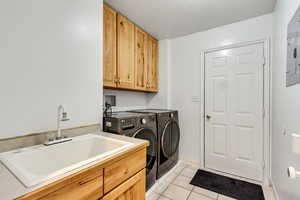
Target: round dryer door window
148	134
170	139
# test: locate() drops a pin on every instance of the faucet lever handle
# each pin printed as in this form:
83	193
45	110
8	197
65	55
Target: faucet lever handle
65	116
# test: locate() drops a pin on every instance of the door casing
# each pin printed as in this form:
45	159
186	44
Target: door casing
266	102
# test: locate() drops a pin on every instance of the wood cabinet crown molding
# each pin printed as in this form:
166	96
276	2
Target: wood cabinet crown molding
130	55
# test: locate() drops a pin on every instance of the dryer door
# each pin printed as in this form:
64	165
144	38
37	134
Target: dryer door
170	139
148	134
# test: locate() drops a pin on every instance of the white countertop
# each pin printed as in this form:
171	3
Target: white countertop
12	188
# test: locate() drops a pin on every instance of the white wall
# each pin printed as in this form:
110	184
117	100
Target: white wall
286	106
50	55
162	98
185	63
126	100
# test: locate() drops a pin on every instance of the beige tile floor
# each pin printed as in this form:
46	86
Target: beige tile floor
175	186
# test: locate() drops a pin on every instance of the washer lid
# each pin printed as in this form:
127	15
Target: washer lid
157	111
121	115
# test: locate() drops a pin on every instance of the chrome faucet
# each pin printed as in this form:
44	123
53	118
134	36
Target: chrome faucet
61	117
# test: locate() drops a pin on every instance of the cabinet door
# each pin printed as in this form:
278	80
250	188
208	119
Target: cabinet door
132	189
125	53
140	59
110	48
152	72
120	171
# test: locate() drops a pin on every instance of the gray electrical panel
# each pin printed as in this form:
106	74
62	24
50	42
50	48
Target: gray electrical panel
293	51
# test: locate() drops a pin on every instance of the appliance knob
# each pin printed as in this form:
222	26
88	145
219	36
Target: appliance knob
143	121
172	115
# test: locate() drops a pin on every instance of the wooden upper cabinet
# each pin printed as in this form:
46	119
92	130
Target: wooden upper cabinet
152	70
125	64
130	55
110	48
140	59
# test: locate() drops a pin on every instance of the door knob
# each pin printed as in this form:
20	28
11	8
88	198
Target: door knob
208	117
292	173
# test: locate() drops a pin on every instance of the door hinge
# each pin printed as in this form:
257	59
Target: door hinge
263	165
264	61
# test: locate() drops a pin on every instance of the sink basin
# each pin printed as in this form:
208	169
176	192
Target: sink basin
40	163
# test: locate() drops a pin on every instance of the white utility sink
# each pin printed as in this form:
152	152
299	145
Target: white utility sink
40	163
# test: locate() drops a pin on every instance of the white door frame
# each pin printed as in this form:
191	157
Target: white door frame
267	104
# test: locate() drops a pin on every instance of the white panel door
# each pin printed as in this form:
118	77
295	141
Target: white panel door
234	111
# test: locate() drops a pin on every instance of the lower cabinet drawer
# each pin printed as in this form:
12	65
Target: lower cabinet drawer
87	185
123	169
88	189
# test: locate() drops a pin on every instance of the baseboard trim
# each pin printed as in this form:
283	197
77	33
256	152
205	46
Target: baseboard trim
234	176
274	189
163	178
24	135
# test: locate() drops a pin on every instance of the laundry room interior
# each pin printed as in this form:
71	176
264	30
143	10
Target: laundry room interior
150	100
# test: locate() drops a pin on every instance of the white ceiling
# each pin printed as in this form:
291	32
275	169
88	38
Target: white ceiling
172	18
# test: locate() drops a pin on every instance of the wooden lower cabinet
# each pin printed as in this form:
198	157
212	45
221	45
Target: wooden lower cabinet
120	171
132	189
85	189
123	177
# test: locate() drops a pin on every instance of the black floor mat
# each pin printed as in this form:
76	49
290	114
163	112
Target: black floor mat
228	186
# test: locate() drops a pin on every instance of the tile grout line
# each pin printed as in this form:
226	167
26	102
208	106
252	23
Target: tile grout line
205	194
176	174
172	183
193	190
189	195
165	197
